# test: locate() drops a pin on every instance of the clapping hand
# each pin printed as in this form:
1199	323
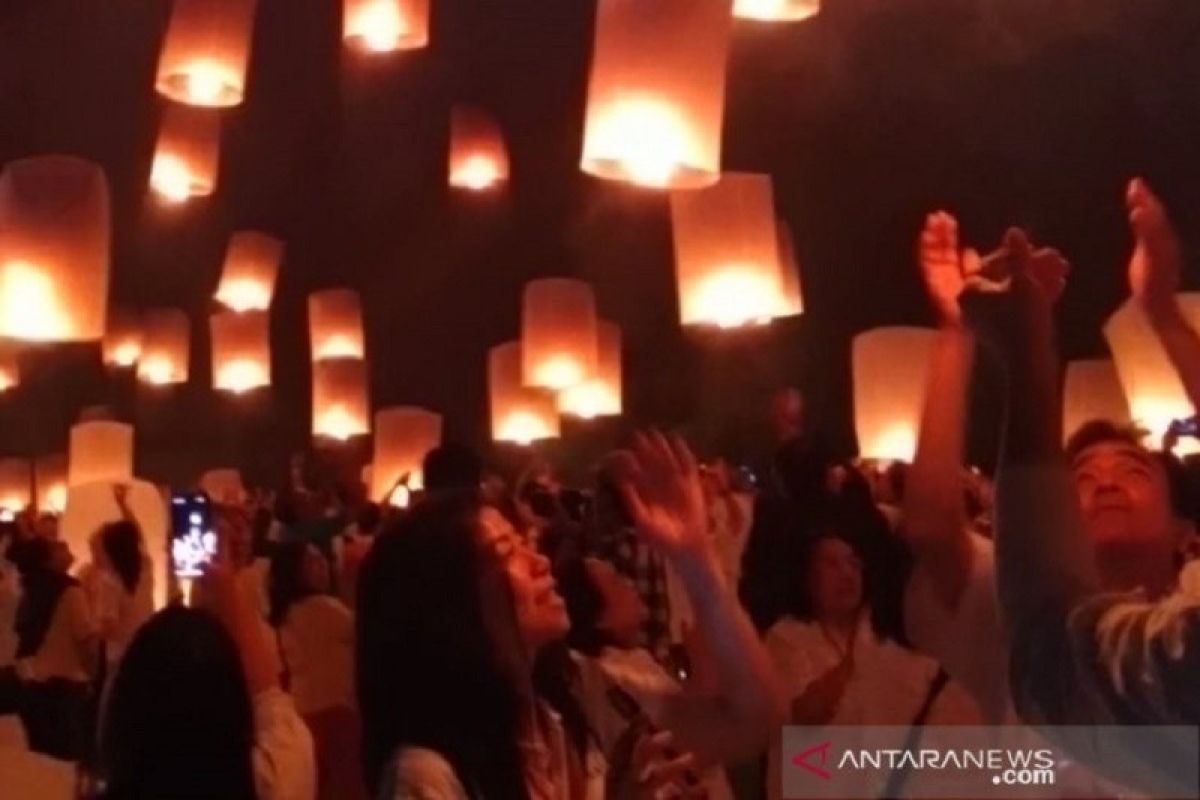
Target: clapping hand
660	484
1155	265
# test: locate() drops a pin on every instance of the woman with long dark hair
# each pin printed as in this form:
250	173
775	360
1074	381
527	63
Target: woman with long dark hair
465	684
123	591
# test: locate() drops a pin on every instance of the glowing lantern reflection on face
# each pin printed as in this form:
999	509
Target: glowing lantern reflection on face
1092	390
559	335
656	95
478	157
165	342
186	156
340	408
519	413
16	489
776	10
335	324
54	249
206	52
403	436
251	268
890	366
100	450
382	26
600	394
727	261
241	351
122	341
50	481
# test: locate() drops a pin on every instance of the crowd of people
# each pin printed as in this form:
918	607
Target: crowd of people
650	634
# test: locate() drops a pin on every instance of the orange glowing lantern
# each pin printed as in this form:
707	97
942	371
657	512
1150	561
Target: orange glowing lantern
478	157
241	351
186	156
335	324
403	436
340	408
50	481
16	490
10	371
122	341
727	264
519	413
1092	390
251	267
789	278
776	10
100	450
206	52
382	26
165	342
599	395
656	96
54	249
559	334
891	366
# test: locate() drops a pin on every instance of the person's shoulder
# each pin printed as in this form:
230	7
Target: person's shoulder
419	773
790	631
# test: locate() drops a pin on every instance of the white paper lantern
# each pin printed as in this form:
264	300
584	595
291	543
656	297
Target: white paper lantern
100	450
340	405
519	414
891	370
165	347
241	351
776	10
403	437
335	324
601	394
383	26
1091	391
559	334
206	52
251	269
16	486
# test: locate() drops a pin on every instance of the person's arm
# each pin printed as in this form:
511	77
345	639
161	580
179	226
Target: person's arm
661	489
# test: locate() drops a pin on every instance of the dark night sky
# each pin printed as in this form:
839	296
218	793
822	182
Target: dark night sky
1007	111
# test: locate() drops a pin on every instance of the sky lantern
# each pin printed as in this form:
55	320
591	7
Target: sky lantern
50	483
340	406
100	450
789	266
10	371
478	156
54	249
206	52
187	153
122	341
890	368
776	10
335	324
16	487
727	263
241	351
403	436
519	413
1092	390
382	26
166	337
600	394
251	268
656	96
559	334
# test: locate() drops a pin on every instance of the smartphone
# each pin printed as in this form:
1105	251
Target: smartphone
1186	427
193	536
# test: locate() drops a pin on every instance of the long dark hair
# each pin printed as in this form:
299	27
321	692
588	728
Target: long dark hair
179	721
122	543
427	669
41	590
285	582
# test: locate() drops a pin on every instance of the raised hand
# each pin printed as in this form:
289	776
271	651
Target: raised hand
944	266
1155	264
660	484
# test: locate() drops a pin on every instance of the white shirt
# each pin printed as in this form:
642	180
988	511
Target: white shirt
66	652
317	645
283	757
116	612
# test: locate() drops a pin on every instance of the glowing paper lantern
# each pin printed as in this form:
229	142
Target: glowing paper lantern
335	324
165	342
519	413
186	156
478	157
100	450
122	341
890	370
403	436
251	267
656	96
776	10
54	249
50	481
340	408
16	489
10	371
1092	390
206	51
727	264
241	351
381	26
789	278
559	335
599	395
